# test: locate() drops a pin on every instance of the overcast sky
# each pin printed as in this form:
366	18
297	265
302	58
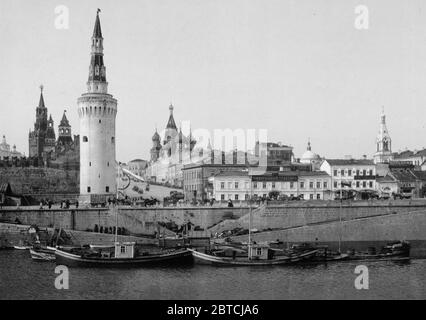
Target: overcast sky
297	68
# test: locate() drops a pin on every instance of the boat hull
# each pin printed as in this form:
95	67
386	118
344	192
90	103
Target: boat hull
203	258
176	258
42	255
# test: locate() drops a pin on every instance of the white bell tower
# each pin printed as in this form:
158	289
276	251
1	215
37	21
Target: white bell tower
383	143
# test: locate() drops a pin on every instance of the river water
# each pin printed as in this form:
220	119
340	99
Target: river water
22	278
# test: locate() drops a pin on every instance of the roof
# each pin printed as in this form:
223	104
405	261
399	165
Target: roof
137	160
231	174
348	162
97	32
171	124
406	176
64	122
312	173
387	178
5	188
41	102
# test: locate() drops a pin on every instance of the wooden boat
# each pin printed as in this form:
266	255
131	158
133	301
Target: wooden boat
394	251
324	254
22	247
258	255
42	254
124	255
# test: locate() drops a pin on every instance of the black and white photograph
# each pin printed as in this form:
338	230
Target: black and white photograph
203	151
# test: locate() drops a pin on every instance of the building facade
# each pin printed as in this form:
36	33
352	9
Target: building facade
239	185
356	174
97	110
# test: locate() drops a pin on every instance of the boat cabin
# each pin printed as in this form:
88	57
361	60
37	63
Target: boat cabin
260	252
124	250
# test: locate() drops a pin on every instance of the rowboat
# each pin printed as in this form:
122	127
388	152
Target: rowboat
260	256
394	251
22	247
124	255
42	254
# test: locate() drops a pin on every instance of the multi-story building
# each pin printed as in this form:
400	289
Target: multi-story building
196	176
239	184
276	154
356	174
137	167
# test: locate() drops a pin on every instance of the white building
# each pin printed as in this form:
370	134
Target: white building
235	185
97	111
350	173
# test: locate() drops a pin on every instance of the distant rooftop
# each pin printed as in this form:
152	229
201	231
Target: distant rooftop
348	162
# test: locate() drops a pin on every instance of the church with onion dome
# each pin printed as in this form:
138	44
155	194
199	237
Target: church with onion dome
170	151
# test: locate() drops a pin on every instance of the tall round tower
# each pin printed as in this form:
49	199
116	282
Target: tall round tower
97	111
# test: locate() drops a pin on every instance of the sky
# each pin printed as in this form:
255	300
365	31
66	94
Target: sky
299	69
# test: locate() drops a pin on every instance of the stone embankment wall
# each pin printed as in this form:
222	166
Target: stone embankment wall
135	220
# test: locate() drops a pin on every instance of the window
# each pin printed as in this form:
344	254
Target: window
100	121
364	172
318	196
318	185
371	172
222	197
364	184
90	164
229	185
311	185
258	251
273	185
335	184
342	173
264	185
357	184
123	249
311	196
371	184
325	184
236	197
246	196
302	196
112	140
107	189
88	189
335	173
255	185
85	139
291	185
222	185
302	185
349	172
236	185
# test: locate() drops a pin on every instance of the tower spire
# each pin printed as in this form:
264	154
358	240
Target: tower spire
41	102
97	72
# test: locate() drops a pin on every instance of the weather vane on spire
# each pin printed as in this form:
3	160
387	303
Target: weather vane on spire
41	88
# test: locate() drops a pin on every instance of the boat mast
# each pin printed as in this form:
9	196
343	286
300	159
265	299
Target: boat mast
116	204
340	218
250	199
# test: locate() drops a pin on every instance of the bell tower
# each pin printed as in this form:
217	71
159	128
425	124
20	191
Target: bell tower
97	110
383	143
